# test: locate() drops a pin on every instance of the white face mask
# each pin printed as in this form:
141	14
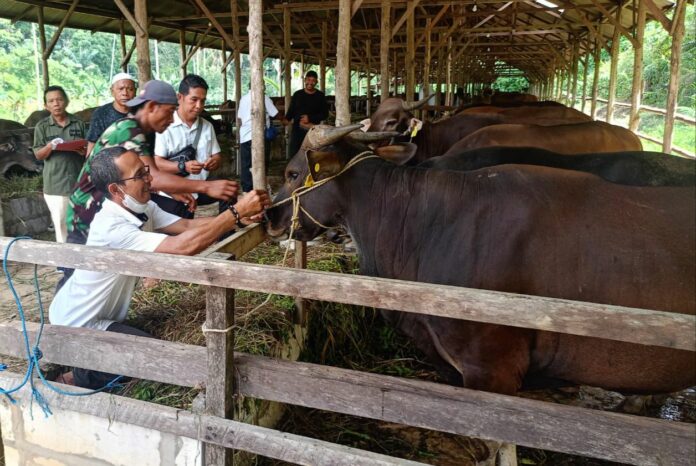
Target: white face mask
132	204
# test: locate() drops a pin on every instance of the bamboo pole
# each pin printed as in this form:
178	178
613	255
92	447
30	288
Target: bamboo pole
410	62
384	50
42	41
637	85
258	108
615	41
674	65
322	59
142	42
595	82
342	71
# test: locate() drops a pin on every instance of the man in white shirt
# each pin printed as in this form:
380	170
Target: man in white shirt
100	300
190	130
244	125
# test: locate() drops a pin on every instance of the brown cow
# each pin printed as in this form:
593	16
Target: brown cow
522	229
578	138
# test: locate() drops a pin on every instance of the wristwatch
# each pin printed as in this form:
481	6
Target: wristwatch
182	168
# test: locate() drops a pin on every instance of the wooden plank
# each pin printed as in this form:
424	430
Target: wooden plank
219	340
238	244
424	404
655	328
211	429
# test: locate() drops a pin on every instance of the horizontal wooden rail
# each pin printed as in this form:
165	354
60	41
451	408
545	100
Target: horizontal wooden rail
675	149
424	404
633	325
211	429
661	111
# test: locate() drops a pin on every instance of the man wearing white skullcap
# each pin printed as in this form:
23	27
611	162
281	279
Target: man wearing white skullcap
122	90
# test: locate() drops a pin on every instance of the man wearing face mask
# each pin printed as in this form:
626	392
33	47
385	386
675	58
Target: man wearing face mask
122	90
100	300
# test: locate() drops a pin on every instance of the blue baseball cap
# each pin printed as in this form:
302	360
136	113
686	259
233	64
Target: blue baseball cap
156	91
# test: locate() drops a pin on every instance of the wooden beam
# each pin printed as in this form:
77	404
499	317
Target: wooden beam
236	53
42	41
616	22
432	23
131	19
614	64
385	38
322	57
126	59
637	82
354	8
405	401
410	52
412	4
197	46
646	327
142	43
125	56
674	67
213	430
215	22
658	14
342	70
61	26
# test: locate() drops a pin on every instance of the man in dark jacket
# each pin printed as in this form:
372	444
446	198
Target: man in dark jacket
308	107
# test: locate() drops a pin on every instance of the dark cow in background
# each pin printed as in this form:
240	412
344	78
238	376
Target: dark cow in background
516	228
629	168
16	155
578	138
505	98
35	117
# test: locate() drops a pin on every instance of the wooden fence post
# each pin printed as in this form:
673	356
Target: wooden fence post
674	65
219	391
637	85
342	70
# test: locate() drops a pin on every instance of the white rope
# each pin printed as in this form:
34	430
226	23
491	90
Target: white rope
205	329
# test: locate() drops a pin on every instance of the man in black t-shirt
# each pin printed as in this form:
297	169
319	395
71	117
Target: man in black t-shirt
308	107
122	90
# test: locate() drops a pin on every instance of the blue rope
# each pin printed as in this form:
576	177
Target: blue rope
33	353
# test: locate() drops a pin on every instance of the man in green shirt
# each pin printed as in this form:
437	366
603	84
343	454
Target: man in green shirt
61	167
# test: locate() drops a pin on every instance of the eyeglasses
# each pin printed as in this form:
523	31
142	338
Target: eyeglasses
141	175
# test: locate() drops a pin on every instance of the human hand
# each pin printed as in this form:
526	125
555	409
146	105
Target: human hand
222	189
54	142
194	166
213	163
252	204
82	151
186	198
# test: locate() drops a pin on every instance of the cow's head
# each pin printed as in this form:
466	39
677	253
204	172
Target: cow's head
315	176
395	114
16	157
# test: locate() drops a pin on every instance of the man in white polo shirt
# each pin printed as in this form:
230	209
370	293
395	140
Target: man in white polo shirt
189	132
100	300
244	124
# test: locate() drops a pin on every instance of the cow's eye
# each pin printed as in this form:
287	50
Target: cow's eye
391	123
292	176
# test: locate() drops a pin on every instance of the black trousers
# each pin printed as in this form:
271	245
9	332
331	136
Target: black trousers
94	379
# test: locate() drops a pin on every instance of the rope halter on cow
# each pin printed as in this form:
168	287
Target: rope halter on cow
311	185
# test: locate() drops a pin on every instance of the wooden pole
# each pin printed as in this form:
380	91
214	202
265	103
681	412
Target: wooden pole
322	59
410	52
182	52
223	51
615	41
576	60
219	389
637	85
448	86
42	41
342	71
237	73
674	65
585	66
384	49
258	107
368	107
595	82
286	57
428	58
142	42
122	33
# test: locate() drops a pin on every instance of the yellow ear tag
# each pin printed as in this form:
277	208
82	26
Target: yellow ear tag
414	132
309	181
317	167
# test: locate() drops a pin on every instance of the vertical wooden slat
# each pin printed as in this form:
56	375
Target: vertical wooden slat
674	65
385	38
42	41
219	390
637	85
342	71
142	42
258	108
616	39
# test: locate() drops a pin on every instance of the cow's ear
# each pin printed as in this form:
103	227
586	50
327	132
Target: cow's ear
322	164
399	153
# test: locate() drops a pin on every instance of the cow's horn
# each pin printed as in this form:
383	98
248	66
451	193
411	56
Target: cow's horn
324	135
372	137
410	106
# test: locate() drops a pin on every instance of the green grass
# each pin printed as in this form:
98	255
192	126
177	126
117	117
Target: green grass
19	186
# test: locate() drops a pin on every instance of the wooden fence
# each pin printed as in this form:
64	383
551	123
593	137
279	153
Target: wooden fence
617	437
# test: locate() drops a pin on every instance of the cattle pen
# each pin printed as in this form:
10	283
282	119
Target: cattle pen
393	45
569	429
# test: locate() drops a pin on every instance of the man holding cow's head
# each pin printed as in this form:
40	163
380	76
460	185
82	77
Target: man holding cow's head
62	162
129	220
122	90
